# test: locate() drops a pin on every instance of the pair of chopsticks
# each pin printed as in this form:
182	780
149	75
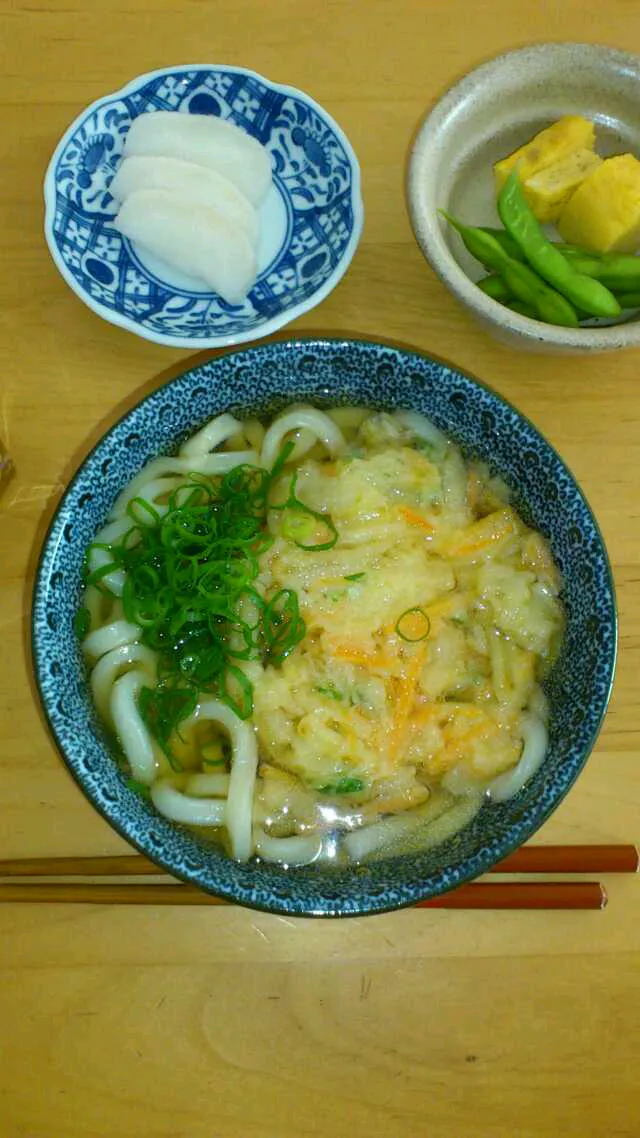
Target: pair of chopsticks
26	884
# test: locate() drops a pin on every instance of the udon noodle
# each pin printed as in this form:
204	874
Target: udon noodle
323	640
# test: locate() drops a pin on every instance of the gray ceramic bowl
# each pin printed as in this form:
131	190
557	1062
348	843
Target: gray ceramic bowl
485	116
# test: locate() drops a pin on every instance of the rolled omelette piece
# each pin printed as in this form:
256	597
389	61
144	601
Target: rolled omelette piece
195	239
207	141
197	185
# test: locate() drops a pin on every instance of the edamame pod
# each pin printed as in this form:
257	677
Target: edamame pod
524	284
495	287
584	263
629	299
587	293
522	308
610	268
511	247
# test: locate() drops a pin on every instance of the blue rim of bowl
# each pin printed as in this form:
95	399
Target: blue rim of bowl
253	333
485	859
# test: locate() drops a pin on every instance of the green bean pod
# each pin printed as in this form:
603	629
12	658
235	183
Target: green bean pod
481	244
629	299
609	268
523	309
523	283
511	247
576	250
495	287
585	263
587	293
551	306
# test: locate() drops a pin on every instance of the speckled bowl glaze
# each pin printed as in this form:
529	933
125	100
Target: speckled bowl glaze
485	116
310	222
263	379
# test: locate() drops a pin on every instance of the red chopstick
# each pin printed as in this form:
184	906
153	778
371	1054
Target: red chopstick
571	859
481	895
477	895
529	859
521	895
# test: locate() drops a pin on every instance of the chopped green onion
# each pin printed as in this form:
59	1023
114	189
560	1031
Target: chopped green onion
281	461
297	527
355	576
138	787
82	623
216	753
95	577
190	576
142	513
283	626
294	503
236	690
346	785
413	625
162	708
330	691
317	546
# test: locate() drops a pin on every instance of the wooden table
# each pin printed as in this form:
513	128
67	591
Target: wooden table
212	1023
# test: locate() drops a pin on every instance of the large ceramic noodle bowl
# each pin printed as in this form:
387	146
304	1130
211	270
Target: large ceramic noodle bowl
324	627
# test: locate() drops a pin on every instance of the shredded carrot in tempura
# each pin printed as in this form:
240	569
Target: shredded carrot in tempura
371	661
415	519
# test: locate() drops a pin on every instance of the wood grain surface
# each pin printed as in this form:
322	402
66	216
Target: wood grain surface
223	1023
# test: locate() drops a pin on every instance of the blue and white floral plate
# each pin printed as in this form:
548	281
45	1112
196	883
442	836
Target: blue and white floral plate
311	221
263	379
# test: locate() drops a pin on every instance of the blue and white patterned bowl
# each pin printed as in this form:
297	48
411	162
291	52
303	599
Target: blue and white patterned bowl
311	221
329	373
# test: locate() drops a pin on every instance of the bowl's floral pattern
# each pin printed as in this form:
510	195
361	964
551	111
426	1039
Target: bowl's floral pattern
315	173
